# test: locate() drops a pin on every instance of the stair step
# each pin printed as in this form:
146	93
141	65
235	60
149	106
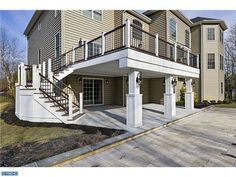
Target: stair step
76	117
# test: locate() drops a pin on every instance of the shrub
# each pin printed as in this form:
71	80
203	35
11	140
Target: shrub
205	102
182	93
219	102
213	102
180	103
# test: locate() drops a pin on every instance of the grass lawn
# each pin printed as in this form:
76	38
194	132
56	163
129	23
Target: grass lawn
231	105
23	142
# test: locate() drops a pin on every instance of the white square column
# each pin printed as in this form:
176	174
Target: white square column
169	98
189	95
134	102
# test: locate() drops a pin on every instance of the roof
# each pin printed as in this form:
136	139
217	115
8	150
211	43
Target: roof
140	16
176	12
204	20
33	20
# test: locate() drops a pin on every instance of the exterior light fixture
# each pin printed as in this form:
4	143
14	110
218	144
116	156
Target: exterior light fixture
139	78
107	81
80	80
174	82
184	84
164	82
193	83
80	42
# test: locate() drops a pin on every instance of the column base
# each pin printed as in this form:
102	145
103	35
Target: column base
169	105
189	100
134	110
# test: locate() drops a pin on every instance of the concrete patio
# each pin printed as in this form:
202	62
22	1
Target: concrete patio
115	117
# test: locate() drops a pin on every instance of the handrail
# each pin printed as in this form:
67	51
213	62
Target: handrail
118	27
48	94
65	86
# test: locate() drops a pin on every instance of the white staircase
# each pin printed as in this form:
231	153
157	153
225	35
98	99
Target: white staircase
62	74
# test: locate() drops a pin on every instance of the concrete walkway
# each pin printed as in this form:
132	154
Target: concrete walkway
115	117
204	139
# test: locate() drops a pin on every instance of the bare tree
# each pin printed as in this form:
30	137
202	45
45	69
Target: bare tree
10	57
230	61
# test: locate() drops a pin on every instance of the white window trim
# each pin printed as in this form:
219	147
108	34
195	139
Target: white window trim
168	27
214	61
214	34
92	16
103	85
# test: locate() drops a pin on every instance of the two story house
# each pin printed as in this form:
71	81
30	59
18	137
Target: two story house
116	57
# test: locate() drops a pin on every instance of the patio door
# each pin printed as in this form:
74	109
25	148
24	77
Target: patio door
92	91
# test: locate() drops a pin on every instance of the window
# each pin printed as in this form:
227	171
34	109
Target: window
57	12
137	32
211	61
39	56
58	45
97	15
221	62
171	52
187	38
93	14
220	36
172	29
221	88
94	49
211	33
39	26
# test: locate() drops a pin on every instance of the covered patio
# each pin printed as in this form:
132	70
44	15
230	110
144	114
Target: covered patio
112	116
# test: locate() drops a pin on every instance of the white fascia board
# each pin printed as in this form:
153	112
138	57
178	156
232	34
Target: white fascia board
147	62
102	59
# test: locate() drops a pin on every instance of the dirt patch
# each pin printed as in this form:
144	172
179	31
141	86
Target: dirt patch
24	153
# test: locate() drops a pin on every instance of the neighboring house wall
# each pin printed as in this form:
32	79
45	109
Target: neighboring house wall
44	38
76	26
181	27
211	78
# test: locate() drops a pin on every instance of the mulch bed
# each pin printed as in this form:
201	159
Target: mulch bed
25	153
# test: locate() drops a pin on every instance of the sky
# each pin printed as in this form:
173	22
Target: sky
15	22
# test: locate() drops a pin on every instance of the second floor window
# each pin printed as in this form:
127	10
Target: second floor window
221	62
172	29
58	45
93	14
187	38
211	34
137	32
211	61
39	56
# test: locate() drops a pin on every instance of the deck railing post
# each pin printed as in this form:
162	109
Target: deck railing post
50	73
127	34
198	60
85	50
18	75
156	44
188	57
36	78
81	102
23	75
103	43
70	105
44	68
175	56
66	58
73	55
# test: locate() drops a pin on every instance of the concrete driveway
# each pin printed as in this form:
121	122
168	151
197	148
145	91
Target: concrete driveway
204	139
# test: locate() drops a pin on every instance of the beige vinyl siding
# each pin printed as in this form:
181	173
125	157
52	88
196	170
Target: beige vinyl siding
196	39
77	26
212	78
158	24
181	27
156	90
112	90
45	38
118	17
